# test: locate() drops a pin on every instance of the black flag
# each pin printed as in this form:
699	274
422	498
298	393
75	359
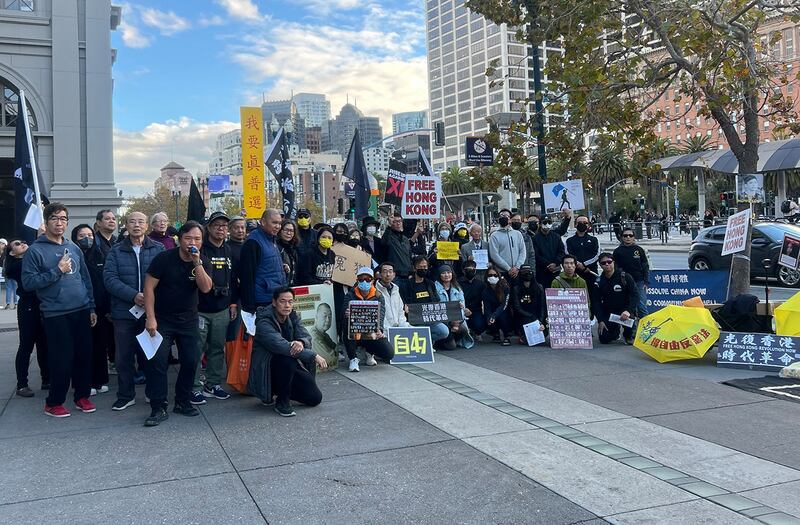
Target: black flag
24	187
197	208
355	169
424	166
279	165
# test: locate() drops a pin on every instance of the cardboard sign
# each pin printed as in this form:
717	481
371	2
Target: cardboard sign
395	182
421	196
757	351
675	286
429	313
568	316
481	258
790	252
447	251
314	306
564	195
411	345
347	262
736	232
363	319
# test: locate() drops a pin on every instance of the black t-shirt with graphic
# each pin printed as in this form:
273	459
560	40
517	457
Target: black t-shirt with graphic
176	293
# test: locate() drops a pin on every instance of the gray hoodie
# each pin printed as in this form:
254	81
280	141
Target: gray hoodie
59	293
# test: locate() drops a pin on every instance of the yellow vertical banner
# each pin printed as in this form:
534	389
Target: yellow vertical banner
253	162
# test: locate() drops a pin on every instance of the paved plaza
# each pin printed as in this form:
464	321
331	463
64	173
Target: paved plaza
488	435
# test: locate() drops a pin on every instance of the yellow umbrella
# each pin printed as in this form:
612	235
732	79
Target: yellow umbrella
787	317
676	332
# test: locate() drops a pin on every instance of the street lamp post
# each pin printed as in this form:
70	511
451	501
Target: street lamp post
176	194
609	189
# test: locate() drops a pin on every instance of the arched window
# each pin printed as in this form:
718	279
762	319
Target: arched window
9	103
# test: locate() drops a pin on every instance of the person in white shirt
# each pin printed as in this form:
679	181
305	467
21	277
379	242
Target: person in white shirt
395	314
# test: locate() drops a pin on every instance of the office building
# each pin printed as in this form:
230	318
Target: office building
227	158
342	128
377	160
279	113
314	108
409	120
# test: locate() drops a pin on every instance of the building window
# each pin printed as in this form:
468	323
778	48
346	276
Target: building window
9	106
18	5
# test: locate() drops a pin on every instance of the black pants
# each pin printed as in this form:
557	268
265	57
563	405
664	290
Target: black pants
69	341
31	332
291	381
125	332
102	348
612	332
502	322
381	348
186	337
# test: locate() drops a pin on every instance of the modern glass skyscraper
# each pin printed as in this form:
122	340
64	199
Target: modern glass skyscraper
315	108
409	120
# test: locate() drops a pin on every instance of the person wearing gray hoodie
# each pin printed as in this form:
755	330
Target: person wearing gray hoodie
507	248
55	269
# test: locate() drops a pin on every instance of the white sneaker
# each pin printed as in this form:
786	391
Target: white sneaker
371	360
354	365
103	389
93	392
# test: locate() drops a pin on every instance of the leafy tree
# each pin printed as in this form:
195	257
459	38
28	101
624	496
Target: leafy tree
157	201
456	181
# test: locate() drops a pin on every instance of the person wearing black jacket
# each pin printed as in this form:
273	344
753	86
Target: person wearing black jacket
397	247
615	294
419	289
632	258
370	242
549	249
496	298
29	321
527	299
237	234
316	266
307	237
287	245
472	286
216	308
586	249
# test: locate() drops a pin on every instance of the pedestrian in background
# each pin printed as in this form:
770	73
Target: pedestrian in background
11	284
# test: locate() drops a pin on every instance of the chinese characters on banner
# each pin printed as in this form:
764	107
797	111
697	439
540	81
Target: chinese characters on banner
568	315
347	262
675	286
395	182
253	162
313	305
411	345
765	352
429	313
421	197
279	165
363	318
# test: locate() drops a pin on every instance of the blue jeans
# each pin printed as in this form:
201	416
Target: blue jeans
439	331
641	308
11	291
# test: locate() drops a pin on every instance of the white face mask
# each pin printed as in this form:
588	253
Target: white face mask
444	234
493	280
371	230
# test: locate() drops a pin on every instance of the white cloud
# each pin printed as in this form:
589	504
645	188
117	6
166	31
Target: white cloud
208	21
328	6
131	36
167	23
243	9
140	155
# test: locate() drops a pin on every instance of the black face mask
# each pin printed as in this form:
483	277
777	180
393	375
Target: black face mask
421	272
503	221
469	273
516	225
526	277
582	227
353	242
340	237
86	243
533	226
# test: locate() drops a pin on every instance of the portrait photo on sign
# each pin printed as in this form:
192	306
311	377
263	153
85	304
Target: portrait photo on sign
790	252
750	187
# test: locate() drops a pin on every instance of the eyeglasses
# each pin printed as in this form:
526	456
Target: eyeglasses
606	262
627	235
365	279
59	218
223	226
286	302
19	243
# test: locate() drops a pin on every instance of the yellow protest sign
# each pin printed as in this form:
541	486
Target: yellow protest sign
447	251
253	162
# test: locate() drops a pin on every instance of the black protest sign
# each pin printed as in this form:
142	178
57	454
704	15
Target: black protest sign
363	319
765	352
395	182
429	313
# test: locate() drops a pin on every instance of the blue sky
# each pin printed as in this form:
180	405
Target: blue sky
185	66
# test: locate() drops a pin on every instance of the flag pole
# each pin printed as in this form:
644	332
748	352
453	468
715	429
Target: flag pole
37	193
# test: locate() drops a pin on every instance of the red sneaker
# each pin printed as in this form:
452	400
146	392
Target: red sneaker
56	411
84	405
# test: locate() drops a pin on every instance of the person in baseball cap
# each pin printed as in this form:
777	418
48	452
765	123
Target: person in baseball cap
373	343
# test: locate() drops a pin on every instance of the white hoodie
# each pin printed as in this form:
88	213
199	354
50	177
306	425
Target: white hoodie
395	316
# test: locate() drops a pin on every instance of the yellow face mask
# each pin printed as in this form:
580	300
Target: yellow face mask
325	242
462	233
304	222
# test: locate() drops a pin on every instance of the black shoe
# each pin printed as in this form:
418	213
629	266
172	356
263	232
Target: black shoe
186	409
121	404
157	415
284	408
24	392
628	340
506	342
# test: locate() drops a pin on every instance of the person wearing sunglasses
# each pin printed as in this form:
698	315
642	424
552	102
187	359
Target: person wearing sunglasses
632	258
376	343
615	294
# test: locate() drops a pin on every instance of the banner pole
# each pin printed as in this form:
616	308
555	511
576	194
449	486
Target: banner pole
37	192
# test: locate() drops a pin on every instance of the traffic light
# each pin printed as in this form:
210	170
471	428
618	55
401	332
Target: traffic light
352	210
723	201
506	183
340	206
438	134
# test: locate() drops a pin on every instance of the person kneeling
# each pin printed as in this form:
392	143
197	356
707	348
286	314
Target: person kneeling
375	344
283	366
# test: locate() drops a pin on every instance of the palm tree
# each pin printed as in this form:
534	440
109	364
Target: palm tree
695	144
526	180
456	181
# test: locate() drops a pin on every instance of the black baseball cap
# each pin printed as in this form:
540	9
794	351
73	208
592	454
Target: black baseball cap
218	215
303	211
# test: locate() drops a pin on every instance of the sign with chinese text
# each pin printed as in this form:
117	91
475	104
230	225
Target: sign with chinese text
736	232
429	313
347	262
478	152
675	286
568	317
280	166
447	251
765	352
411	345
363	319
253	162
314	306
421	197
790	252
395	182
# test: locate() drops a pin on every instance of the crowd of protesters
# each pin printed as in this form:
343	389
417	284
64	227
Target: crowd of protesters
85	295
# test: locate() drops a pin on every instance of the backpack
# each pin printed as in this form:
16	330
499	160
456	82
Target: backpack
786	206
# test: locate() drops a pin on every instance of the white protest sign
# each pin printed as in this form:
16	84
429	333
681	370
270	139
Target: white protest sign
564	195
481	258
736	232
421	197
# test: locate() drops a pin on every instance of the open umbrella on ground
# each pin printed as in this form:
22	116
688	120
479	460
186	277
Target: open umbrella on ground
676	332
787	317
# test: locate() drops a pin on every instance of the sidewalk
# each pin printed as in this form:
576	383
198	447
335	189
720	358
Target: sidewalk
676	243
490	435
